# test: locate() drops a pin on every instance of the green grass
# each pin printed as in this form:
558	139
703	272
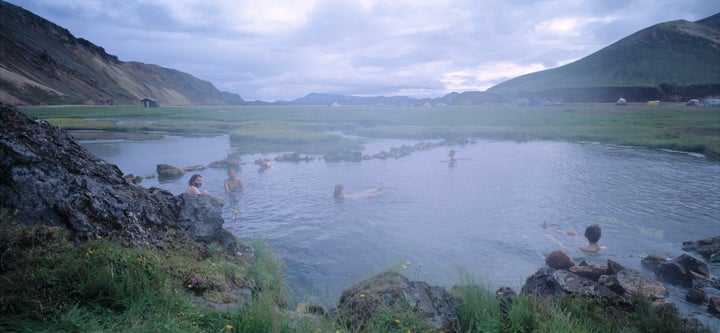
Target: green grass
50	284
310	129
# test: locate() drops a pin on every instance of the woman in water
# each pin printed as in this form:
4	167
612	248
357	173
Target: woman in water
233	183
194	185
339	192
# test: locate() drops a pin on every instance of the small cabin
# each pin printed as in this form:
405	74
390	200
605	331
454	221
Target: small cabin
149	103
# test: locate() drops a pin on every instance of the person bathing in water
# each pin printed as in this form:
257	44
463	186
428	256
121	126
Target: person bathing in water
593	233
339	192
194	185
233	184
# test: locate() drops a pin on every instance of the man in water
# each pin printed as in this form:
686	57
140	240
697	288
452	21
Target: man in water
593	233
194	185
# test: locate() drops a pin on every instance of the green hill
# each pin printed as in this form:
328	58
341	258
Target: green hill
670	61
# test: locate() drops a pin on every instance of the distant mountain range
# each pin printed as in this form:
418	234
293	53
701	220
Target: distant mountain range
44	64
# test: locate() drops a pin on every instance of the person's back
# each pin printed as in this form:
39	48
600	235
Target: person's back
593	233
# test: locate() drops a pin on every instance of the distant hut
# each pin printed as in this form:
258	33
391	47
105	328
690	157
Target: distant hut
149	103
621	101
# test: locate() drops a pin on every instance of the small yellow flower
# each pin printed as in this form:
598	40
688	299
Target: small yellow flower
189	286
99	237
397	321
403	266
319	330
235	211
362	295
228	326
408	263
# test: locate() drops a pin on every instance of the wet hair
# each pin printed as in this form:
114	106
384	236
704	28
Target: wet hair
338	191
193	178
593	233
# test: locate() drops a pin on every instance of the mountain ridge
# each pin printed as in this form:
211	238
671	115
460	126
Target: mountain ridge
44	63
675	60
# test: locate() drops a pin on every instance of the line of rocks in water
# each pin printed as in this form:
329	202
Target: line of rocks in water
169	172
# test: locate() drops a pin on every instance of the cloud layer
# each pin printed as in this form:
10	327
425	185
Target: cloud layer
285	49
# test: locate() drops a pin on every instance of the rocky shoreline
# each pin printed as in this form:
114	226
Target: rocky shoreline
50	180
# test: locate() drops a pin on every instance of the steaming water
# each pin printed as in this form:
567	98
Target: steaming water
482	214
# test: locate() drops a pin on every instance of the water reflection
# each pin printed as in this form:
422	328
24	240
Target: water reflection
482	212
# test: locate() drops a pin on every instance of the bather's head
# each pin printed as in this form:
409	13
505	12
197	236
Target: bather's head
593	233
339	191
195	180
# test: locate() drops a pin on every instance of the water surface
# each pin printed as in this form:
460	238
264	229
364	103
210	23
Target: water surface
482	213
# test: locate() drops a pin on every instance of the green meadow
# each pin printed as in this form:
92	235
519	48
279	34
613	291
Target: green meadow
51	284
317	129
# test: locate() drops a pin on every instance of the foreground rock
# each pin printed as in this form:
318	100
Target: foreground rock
547	283
611	280
434	304
683	270
201	216
49	179
709	248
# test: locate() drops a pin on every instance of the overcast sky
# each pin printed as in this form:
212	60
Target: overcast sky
285	49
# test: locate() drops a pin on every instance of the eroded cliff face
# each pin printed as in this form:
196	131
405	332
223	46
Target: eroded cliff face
47	178
44	64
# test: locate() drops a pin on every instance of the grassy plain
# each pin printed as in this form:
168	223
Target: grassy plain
315	129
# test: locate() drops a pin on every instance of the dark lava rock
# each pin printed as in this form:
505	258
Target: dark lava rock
559	260
709	248
696	295
49	179
549	283
434	304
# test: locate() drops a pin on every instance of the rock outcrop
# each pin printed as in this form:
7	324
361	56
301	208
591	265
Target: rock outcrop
709	248
434	304
610	280
201	217
49	179
547	282
683	270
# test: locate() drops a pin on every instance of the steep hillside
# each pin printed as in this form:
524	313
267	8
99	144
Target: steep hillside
42	63
675	60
